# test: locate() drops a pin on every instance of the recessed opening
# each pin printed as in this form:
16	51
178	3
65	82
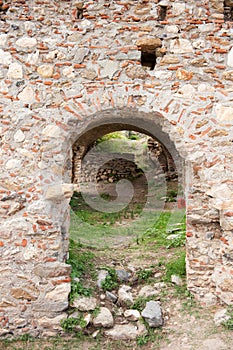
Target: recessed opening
162	12
148	59
150	183
228	10
79	14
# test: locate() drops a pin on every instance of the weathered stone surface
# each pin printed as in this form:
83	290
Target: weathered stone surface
15	71
169	59
27	95
5	57
176	280
147	291
102	274
153	314
54	323
104	318
59	293
132	315
53	269
45	70
19	136
111	296
209	300
27	292
26	42
178	8
51	131
142	9
81	53
125	297
149	44
3	39
85	303
89	74
122	275
126	332
109	68
228	75
180	46
184	74
136	72
230	58
221	316
223	113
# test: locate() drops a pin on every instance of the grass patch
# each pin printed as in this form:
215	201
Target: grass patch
229	323
176	267
166	234
73	324
110	281
82	265
140	303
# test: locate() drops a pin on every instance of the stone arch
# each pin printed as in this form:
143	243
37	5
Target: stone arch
150	124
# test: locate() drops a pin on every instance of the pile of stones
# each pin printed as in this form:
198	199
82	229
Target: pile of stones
114	313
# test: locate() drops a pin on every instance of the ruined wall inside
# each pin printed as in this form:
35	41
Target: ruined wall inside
64	69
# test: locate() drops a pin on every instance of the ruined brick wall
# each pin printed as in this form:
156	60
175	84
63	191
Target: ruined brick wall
69	72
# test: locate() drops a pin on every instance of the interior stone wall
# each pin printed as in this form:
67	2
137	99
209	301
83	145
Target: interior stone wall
68	71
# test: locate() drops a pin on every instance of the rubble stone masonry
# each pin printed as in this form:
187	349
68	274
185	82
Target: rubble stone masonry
71	70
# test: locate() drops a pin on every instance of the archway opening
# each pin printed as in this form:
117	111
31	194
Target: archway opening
127	224
120	176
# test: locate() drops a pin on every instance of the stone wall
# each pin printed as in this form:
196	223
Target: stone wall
71	73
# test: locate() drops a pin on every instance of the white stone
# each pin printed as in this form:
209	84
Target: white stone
19	136
176	280
125	296
179	46
161	74
3	39
102	274
27	95
104	318
85	303
147	291
15	71
152	314
26	42
178	8
208	27
221	316
199	44
3	87
51	130
59	293
55	322
132	315
68	72
126	331
187	91
45	70
109	68
172	29
209	300
230	58
86	25
221	191
204	87
33	58
12	164
223	112
5	57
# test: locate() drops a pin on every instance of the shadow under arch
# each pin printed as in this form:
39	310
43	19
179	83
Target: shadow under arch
107	121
